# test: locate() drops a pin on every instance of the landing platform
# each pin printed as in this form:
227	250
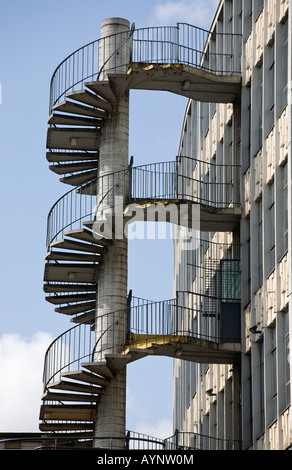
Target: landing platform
184	80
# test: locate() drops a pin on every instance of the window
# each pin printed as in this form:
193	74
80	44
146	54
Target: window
284	208
271	230
274	373
262	386
287	359
260	243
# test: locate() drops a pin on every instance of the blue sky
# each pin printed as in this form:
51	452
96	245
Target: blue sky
35	36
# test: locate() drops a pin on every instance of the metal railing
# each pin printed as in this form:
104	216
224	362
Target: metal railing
192	315
180	44
131	441
82	203
185	179
183	440
67	352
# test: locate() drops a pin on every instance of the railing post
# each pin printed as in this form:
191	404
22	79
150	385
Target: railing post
130	183
129	300
177	44
176	439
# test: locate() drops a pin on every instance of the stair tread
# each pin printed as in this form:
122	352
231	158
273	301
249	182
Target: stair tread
77	386
69	256
87	235
54	288
100	368
71	397
103	89
76	308
61	169
120	83
89	188
80	178
87	317
86	97
64	299
70	412
116	362
84	376
71	156
58	427
77	139
78	109
70	272
77	246
57	119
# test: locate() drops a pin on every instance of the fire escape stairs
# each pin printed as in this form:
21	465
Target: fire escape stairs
72	262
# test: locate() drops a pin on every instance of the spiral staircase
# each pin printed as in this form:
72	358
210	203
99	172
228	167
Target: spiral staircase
74	378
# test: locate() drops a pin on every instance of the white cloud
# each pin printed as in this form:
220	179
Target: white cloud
196	12
21	368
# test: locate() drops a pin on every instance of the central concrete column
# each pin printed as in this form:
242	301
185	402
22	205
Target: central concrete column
112	189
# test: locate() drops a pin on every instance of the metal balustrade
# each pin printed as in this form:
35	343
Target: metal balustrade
209	184
180	44
67	352
186	179
82	203
132	441
192	315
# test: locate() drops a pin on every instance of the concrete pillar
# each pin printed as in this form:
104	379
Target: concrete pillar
112	278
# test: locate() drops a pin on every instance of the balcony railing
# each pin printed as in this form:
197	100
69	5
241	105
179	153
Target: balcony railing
180	44
211	315
185	180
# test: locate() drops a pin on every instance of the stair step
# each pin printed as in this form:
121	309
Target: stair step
76	308
103	89
73	167
78	386
57	119
77	246
80	178
88	188
65	299
71	397
78	109
84	376
87	236
70	412
70	156
70	272
55	288
86	97
87	317
67	256
99	368
59	427
120	83
116	362
77	139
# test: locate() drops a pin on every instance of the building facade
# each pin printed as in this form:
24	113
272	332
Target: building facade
228	196
255	134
